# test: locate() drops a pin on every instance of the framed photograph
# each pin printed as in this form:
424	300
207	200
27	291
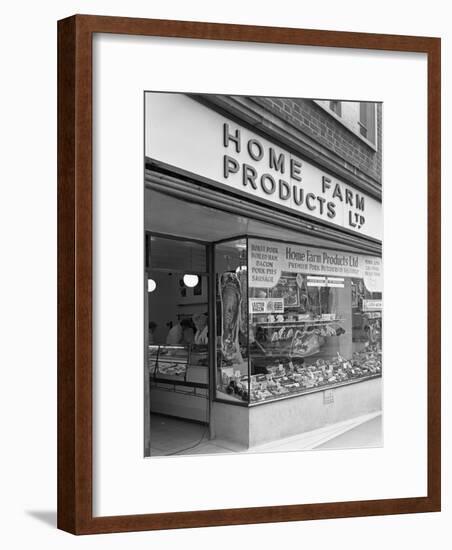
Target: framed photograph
248	274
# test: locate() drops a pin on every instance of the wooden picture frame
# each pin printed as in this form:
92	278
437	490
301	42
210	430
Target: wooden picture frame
75	226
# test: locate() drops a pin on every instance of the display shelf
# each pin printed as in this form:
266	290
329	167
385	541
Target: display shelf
293	324
183	383
314	389
279	353
163	359
193	374
322	374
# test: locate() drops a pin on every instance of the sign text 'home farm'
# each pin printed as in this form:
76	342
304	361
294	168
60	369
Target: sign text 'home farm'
259	174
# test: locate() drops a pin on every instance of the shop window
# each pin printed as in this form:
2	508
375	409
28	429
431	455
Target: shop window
301	331
311	324
231	281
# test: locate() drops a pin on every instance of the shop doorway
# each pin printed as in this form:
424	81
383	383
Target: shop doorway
177	328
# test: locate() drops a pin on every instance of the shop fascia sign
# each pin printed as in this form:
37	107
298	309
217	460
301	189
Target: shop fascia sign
189	136
279	174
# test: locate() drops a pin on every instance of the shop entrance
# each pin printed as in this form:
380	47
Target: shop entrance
178	321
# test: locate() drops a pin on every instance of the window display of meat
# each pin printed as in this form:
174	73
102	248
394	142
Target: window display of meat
298	377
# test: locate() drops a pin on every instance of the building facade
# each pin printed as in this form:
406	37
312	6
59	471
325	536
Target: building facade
263	231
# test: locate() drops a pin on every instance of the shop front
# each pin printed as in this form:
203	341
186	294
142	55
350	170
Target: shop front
263	307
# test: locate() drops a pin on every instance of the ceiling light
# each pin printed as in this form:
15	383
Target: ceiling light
152	285
191	280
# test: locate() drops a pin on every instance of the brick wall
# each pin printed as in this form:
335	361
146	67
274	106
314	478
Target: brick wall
339	143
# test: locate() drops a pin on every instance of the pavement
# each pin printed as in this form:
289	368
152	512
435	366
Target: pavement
171	437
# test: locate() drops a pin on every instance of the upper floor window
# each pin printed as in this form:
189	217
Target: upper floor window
367	120
358	116
336	107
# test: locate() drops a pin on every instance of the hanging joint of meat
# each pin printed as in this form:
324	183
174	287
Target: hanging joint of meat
231	300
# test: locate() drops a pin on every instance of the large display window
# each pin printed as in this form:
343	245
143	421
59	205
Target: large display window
293	319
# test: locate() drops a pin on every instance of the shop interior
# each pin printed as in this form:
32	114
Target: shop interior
255	356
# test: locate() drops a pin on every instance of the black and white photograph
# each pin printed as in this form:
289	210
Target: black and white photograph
263	274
